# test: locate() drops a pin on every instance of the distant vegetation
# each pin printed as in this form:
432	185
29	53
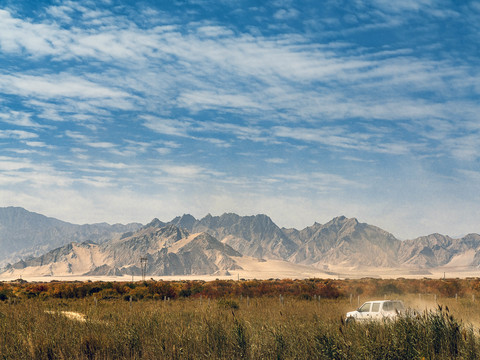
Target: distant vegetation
161	290
303	289
273	319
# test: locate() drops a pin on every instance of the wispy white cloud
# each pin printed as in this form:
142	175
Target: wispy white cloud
77	136
18	170
406	5
39	144
276	160
200	100
243	132
189	171
215	31
471	175
9	163
51	86
167	126
285	14
101	145
17	134
343	138
121	98
237	58
319	181
163	150
18	35
97	181
465	147
19	118
63	13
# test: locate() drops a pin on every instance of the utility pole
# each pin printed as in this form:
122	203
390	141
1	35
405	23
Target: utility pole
143	264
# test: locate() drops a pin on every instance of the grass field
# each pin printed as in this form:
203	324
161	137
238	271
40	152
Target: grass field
234	327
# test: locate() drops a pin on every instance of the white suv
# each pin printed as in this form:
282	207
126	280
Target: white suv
376	310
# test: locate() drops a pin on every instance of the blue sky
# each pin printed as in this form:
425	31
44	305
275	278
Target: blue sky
123	111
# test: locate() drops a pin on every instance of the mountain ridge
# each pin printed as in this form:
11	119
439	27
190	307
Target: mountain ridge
169	250
220	241
24	233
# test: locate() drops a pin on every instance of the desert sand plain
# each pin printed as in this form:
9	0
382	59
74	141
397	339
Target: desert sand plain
278	269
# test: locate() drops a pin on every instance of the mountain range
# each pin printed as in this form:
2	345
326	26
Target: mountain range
217	245
24	233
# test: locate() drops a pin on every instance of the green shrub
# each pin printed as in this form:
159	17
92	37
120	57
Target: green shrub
228	304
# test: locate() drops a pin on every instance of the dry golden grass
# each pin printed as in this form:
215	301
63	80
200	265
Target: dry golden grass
231	328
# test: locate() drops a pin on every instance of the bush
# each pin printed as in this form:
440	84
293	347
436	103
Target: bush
390	289
228	304
185	293
94	290
305	296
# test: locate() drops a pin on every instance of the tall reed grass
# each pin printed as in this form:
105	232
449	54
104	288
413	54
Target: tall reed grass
254	328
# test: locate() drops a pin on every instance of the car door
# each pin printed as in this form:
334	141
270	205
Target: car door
364	312
375	311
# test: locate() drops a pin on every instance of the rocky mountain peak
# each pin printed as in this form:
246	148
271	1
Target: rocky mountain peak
206	241
155	223
172	231
264	220
471	239
186	221
336	220
228	219
342	223
435	239
213	222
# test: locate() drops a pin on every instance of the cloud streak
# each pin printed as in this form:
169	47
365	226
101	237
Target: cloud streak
284	98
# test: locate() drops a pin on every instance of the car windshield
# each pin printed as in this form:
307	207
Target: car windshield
364	308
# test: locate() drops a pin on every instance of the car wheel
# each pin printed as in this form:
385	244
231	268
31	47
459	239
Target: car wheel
350	320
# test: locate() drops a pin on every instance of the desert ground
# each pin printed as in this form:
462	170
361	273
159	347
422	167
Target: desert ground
276	269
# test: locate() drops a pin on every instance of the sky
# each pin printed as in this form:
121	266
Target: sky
123	111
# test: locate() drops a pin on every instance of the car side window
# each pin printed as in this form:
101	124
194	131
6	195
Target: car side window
365	307
375	307
387	306
398	306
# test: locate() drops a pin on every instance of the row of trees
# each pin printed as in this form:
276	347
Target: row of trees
306	289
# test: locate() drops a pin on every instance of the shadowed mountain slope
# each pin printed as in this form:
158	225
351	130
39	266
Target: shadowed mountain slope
169	251
346	242
256	236
24	233
439	250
